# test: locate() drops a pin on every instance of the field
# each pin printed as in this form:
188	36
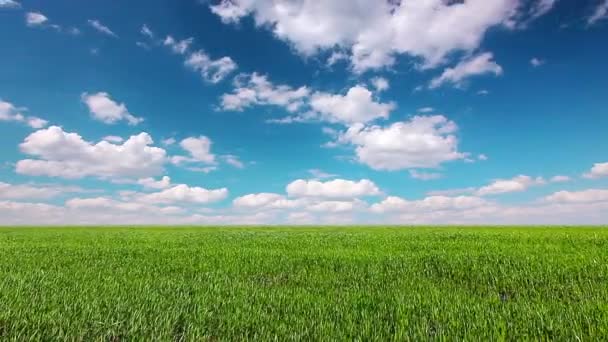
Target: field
303	283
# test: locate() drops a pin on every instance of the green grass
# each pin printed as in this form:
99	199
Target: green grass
303	283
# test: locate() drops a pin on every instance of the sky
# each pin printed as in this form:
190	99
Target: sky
303	112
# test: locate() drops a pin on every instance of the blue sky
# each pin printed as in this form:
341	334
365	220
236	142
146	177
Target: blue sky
277	111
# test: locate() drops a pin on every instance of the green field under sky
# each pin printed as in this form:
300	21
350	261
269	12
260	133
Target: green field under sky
304	283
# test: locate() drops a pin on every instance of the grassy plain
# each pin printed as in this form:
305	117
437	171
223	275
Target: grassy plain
299	283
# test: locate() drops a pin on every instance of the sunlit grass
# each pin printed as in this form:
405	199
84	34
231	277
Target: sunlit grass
303	283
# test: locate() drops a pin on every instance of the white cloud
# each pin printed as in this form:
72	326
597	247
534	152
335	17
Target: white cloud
8	112
424	175
428	204
33	19
199	149
211	70
184	193
482	157
255	89
584	196
357	106
142	45
335	57
151	183
103	108
204	169
9	4
337	206
541	8
113	139
233	160
320	174
179	47
375	32
33	191
600	13
97	25
422	142
559	179
474	66
146	31
483	92
426	110
536	62
36	123
337	188
451	192
168	141
67	155
265	200
380	84
515	184
597	171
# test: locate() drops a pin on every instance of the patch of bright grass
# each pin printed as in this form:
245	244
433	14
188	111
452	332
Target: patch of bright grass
303	283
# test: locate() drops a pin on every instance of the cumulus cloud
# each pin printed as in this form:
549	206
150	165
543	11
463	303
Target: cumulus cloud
113	139
474	66
337	188
265	200
8	112
103	108
374	33
256	89
599	13
515	184
68	155
185	194
597	171
380	84
211	70
584	196
152	183
33	191
422	142
199	149
428	204
99	27
357	106
336	206
559	179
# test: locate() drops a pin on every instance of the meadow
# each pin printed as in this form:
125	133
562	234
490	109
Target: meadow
304	283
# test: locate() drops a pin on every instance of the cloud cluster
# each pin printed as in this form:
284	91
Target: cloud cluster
421	142
256	89
68	155
211	70
374	33
597	171
337	188
8	112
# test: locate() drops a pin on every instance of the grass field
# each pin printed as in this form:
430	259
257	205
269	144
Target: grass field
303	283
